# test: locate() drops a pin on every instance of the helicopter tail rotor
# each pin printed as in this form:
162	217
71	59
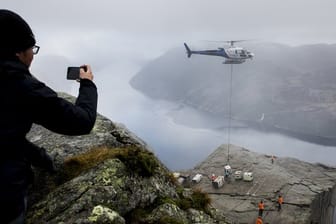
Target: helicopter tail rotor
188	50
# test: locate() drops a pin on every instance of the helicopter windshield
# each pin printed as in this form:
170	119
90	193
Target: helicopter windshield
242	53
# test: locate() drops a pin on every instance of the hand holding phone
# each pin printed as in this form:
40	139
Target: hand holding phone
74	73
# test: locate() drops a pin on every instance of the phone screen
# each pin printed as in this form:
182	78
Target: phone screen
73	73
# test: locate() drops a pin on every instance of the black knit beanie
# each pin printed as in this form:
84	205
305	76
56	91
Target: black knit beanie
15	34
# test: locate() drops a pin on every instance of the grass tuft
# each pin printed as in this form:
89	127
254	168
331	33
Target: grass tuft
137	160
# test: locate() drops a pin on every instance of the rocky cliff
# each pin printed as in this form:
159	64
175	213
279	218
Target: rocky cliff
308	189
110	176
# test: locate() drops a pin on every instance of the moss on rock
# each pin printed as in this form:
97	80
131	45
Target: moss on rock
101	214
136	159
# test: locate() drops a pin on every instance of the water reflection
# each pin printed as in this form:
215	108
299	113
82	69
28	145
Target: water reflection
180	146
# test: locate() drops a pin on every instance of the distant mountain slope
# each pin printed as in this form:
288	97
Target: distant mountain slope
294	87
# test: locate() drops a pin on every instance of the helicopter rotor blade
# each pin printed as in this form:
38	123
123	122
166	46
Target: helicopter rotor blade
231	42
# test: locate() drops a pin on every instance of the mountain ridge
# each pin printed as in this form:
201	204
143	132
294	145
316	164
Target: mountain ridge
294	87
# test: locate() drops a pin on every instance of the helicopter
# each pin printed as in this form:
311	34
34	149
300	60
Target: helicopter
232	55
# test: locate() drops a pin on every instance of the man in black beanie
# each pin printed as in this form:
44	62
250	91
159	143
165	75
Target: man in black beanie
16	35
25	100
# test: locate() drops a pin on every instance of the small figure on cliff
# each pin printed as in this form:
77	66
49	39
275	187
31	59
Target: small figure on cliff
25	101
280	202
213	177
259	220
261	208
272	159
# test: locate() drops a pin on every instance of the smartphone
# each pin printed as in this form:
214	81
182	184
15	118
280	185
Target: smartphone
73	73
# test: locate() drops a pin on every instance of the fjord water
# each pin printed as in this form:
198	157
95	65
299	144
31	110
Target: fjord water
182	137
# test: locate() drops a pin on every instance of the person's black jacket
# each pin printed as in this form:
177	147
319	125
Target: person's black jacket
24	100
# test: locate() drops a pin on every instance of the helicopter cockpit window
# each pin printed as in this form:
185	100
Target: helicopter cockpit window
242	53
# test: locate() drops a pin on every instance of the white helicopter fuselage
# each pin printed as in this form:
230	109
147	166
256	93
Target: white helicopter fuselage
232	55
237	55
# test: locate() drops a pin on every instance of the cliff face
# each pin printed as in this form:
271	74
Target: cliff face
308	190
291	86
108	176
323	207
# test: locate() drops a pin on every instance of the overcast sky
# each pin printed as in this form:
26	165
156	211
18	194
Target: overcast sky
282	21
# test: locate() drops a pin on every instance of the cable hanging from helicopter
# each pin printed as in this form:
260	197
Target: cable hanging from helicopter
232	55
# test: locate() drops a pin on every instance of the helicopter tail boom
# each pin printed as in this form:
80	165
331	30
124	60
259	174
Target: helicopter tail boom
188	50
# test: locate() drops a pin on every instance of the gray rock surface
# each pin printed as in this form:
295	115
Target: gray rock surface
308	189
